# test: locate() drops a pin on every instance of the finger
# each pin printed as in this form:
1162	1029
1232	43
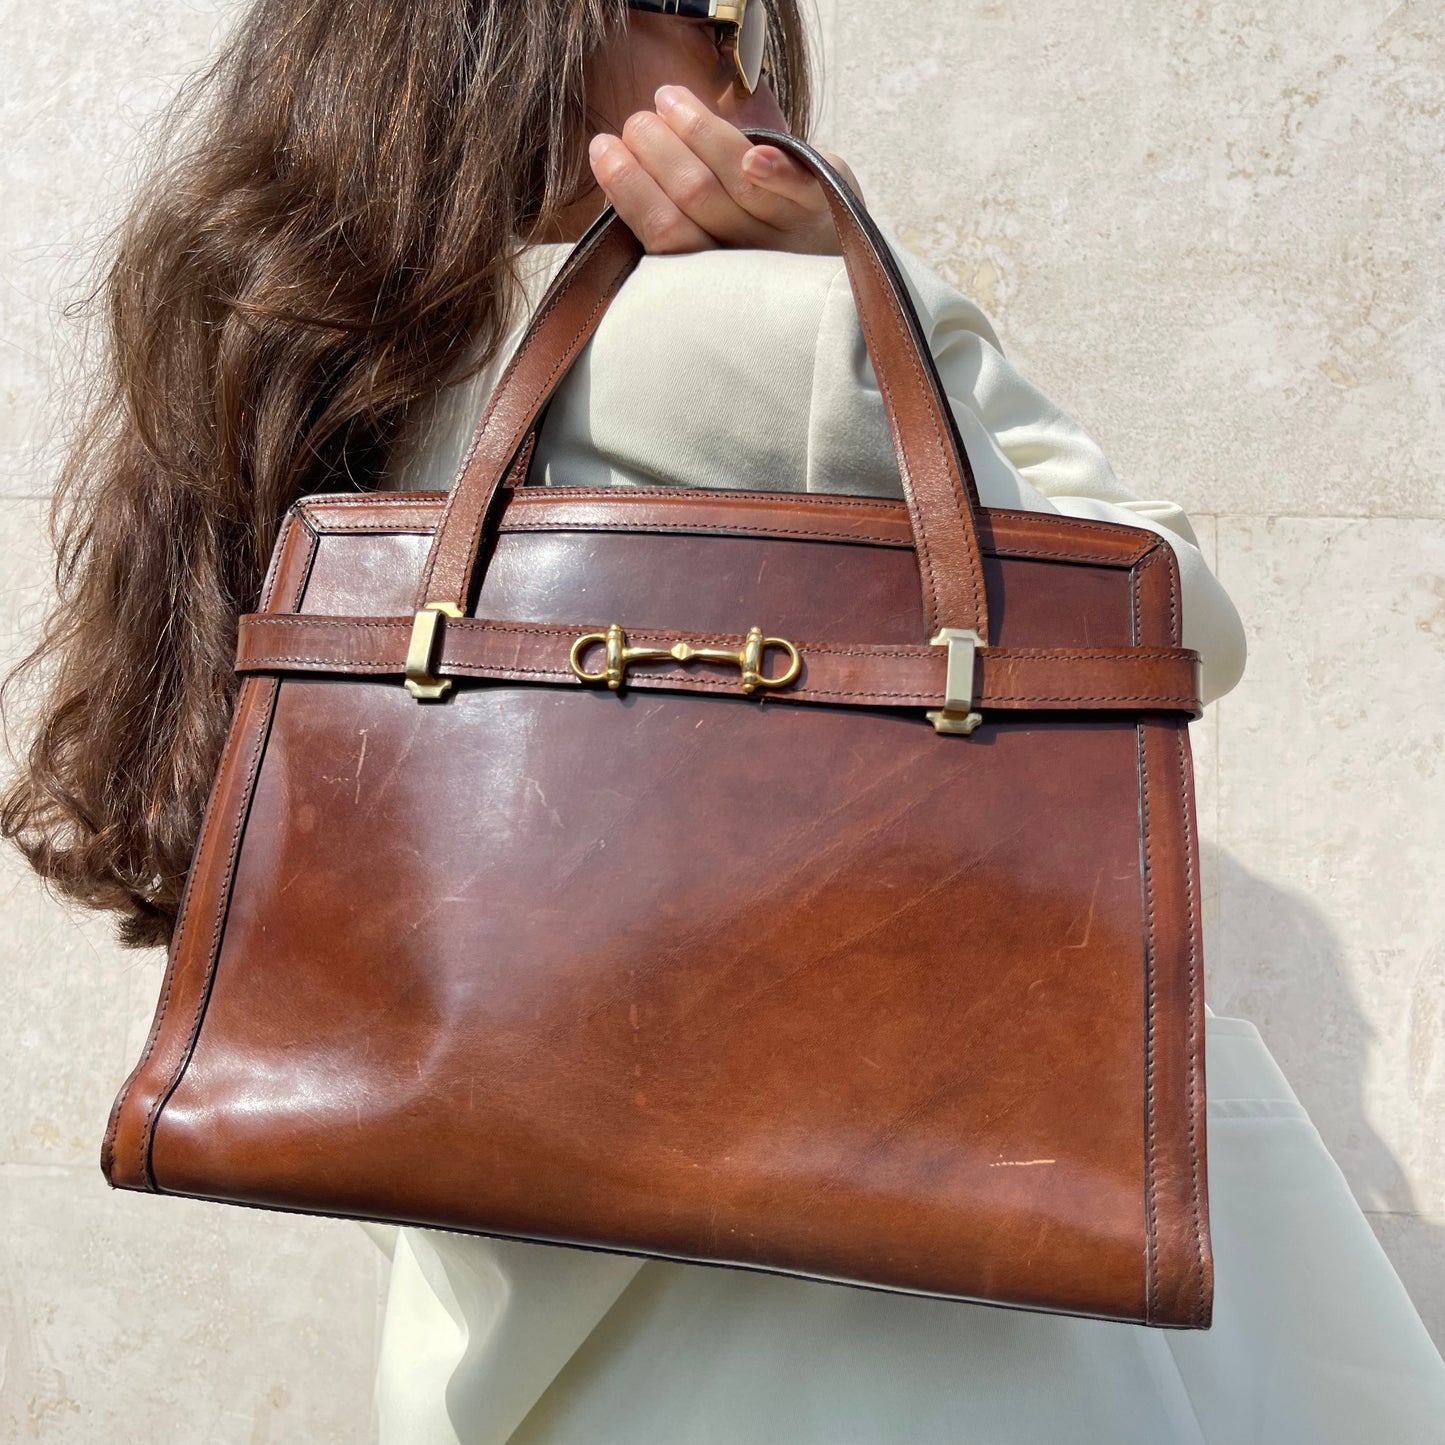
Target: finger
693	186
641	203
721	146
785	177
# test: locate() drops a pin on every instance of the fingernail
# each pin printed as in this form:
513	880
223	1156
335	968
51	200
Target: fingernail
597	148
759	163
667	96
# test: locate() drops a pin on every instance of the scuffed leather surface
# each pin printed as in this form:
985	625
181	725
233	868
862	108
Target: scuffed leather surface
815	990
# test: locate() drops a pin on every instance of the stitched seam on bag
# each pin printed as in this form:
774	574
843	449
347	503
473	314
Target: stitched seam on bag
568	357
307	568
760	529
1135	595
1150	1157
820	500
243	808
702	528
1134	592
1154	557
1004	654
823	501
157	1027
1174	594
815	649
523	464
1170	572
921	539
534	326
182	930
505	670
1193	1031
527	436
906	650
315	517
148	1130
513	361
182	925
744	529
272	573
541	496
976	579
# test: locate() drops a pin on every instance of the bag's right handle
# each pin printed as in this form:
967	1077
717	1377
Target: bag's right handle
938	482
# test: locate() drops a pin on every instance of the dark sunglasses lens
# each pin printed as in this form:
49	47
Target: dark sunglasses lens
752	42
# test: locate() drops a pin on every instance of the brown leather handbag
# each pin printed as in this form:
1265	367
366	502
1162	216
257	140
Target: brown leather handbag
805	883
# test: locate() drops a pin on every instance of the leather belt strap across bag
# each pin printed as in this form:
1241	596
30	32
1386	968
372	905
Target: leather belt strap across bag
801	883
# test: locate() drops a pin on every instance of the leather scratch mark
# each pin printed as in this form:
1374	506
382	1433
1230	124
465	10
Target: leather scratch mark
359	761
536	787
1019	1163
408	743
1089	917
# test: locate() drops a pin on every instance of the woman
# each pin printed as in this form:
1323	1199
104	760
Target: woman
321	295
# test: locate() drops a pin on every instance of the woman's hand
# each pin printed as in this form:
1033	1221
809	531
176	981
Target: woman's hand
684	179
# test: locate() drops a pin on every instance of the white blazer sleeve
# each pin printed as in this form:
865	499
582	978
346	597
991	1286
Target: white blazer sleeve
1026	453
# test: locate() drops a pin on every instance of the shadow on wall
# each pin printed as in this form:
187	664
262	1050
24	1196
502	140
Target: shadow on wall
1275	960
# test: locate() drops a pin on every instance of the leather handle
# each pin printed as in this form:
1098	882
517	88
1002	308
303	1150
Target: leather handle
938	482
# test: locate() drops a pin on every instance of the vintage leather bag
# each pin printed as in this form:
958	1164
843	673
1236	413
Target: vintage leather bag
830	941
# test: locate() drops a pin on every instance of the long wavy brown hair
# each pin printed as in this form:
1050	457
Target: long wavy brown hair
331	231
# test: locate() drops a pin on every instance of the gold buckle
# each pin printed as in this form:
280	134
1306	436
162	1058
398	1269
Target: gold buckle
957	714
749	657
421	652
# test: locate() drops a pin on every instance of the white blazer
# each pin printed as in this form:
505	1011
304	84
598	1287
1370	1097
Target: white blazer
747	369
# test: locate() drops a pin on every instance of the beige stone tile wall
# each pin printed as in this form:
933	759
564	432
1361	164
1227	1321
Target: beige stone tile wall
1213	233
123	1318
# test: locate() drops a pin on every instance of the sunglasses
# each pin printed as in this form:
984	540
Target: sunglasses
746	19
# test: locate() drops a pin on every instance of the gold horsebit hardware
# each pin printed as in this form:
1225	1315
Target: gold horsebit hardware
749	657
957	715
